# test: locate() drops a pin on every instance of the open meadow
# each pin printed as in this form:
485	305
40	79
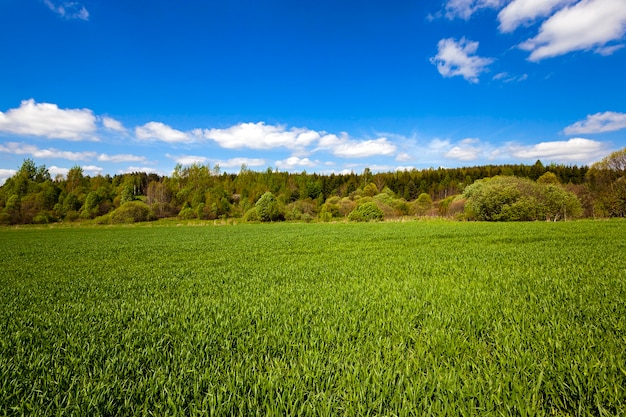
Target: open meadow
414	318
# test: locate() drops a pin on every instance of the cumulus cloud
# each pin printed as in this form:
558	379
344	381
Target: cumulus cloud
295	162
460	59
597	123
465	150
55	170
260	136
587	25
113	124
92	170
48	120
522	12
162	132
464	9
344	147
50	153
5	174
68	9
573	150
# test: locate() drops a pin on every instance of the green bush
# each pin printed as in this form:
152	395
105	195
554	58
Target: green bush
251	215
366	212
269	209
132	212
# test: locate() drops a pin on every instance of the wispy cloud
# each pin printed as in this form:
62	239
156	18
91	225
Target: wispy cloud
50	153
597	123
522	12
464	9
121	158
48	120
460	59
505	77
587	25
68	9
238	162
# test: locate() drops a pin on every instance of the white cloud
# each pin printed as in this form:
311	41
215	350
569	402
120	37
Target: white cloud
238	162
405	168
522	12
68	9
47	120
5	174
189	159
459	58
295	162
508	78
121	158
465	150
345	147
573	150
463	154
587	25
113	124
597	123
55	170
92	170
464	9
51	153
162	132
147	170
404	157
260	136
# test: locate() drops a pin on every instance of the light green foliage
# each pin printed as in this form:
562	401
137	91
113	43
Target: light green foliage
252	215
414	318
131	212
548	178
518	199
366	212
423	204
268	208
370	190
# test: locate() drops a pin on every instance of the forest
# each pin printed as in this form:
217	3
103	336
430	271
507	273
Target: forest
490	193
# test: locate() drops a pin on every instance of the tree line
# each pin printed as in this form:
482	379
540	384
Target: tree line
203	192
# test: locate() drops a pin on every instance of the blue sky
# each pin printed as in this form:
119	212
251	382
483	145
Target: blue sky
323	86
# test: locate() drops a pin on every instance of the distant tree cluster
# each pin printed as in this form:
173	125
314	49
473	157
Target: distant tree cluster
490	193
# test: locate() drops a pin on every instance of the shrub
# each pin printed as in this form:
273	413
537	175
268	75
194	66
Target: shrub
268	208
132	212
251	215
366	212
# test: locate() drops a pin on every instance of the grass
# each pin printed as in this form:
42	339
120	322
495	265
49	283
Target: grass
416	318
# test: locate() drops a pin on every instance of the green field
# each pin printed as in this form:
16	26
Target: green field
415	318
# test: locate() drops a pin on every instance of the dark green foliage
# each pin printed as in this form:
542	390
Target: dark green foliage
366	212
